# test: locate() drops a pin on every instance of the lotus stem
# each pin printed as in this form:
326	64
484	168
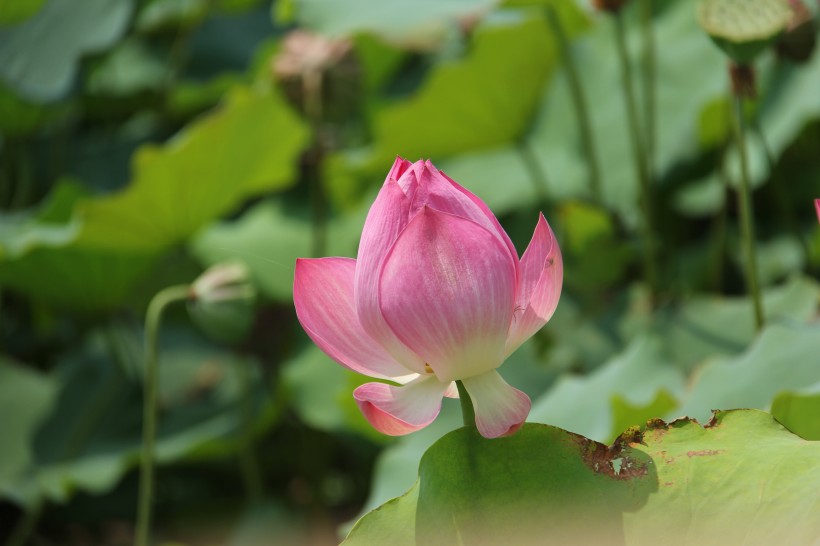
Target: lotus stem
537	174
312	101
648	60
639	153
153	320
781	197
747	227
25	525
579	103
248	464
467	410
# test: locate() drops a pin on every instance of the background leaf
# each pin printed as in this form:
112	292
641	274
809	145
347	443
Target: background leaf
39	56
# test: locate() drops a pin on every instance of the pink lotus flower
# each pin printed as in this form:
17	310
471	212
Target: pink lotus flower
437	294
817	208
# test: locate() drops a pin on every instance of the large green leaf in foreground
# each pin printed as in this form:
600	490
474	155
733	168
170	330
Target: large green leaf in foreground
741	479
542	485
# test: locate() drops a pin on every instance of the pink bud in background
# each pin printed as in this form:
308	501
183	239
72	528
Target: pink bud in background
817	208
436	294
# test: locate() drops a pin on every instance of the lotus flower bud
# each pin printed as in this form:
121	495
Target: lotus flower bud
437	294
222	301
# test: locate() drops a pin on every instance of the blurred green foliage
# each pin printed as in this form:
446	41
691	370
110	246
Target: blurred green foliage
142	141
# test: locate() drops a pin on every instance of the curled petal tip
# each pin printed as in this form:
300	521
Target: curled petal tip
397	411
400	166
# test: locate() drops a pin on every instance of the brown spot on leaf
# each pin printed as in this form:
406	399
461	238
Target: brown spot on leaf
600	458
655	424
704	453
668	484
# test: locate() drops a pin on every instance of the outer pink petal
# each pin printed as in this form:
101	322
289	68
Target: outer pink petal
323	296
447	290
817	207
387	218
500	409
400	410
541	276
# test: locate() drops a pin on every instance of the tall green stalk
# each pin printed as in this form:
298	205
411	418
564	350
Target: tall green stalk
25	526
640	158
153	320
579	102
312	97
467	410
248	464
747	227
648	61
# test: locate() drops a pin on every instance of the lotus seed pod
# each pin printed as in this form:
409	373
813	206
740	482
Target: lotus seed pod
305	59
744	28
798	43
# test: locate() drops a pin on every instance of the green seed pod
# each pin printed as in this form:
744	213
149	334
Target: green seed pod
744	28
222	302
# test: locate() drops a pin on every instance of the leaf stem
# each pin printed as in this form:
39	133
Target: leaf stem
153	320
467	410
639	153
578	102
747	227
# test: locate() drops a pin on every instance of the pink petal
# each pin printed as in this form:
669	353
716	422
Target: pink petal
323	296
400	166
387	218
541	275
396	411
487	212
817	207
438	191
447	290
500	409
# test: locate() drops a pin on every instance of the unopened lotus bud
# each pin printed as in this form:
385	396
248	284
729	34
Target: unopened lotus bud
222	301
800	38
611	6
744	28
